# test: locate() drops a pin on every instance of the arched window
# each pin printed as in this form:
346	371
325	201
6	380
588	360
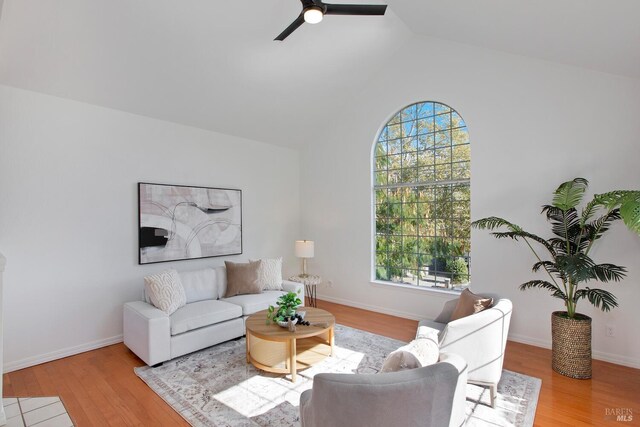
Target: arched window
422	193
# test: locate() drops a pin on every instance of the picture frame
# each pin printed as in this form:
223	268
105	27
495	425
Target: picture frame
180	222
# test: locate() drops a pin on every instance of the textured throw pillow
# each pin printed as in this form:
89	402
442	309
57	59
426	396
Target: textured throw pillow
468	304
418	353
165	291
270	274
242	278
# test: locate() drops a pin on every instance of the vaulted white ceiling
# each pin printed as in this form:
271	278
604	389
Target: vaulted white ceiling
603	35
214	64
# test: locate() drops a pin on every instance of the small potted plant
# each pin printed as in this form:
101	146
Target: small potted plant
285	310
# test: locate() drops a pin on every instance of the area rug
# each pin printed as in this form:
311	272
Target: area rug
216	386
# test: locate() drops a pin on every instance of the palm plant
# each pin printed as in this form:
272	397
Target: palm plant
574	233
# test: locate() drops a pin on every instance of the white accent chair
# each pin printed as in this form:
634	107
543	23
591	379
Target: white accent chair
480	339
431	396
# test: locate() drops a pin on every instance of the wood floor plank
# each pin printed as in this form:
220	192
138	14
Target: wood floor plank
99	388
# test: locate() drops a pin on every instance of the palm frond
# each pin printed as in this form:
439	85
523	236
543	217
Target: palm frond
595	229
578	267
613	199
550	266
589	210
552	213
609	272
493	222
569	194
568	226
630	211
600	298
543	284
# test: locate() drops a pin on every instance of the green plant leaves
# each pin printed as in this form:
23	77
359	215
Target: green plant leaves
609	272
573	236
600	298
493	222
570	193
287	305
630	211
556	292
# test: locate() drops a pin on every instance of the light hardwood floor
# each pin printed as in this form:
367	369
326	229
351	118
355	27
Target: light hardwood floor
99	387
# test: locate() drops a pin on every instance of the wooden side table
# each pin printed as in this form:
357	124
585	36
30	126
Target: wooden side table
310	283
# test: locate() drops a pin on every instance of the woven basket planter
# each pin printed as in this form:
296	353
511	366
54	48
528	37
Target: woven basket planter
571	345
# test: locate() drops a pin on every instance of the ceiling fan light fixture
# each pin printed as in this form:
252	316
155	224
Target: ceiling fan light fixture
313	15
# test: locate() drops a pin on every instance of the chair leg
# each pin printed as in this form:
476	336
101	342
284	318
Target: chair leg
493	391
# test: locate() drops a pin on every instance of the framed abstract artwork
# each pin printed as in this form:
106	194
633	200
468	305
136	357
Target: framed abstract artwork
178	222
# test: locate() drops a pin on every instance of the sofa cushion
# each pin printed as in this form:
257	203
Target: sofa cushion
202	313
255	302
221	280
199	285
270	274
242	278
468	304
165	290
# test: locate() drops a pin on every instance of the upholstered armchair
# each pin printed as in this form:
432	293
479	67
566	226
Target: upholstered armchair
431	396
479	338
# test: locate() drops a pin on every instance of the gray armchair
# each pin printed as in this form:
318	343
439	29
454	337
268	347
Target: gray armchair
431	396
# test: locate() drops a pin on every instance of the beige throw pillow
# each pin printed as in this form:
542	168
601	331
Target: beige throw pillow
468	304
270	274
418	353
242	278
165	291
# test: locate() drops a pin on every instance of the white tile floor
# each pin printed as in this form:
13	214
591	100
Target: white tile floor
36	411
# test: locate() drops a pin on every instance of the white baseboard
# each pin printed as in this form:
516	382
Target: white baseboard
59	354
70	351
370	307
598	355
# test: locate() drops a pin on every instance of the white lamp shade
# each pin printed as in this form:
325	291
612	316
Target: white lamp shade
304	248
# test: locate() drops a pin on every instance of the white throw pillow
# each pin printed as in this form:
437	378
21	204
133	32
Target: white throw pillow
270	274
418	353
165	291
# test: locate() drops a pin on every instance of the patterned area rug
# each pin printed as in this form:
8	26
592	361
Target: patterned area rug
216	386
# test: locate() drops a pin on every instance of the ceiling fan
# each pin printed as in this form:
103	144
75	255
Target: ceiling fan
314	10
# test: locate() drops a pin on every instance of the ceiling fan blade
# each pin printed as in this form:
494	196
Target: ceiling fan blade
291	28
355	9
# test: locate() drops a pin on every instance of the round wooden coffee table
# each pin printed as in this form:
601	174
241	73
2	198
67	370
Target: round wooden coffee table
275	349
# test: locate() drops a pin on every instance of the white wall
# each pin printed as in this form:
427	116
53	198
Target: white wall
533	125
68	213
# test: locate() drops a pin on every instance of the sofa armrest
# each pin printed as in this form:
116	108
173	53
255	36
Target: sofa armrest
289	286
147	332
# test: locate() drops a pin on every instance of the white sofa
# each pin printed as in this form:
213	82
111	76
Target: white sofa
480	339
207	319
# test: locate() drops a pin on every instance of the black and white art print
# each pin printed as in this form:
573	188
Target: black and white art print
178	222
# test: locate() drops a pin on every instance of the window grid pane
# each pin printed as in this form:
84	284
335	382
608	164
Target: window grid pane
422	192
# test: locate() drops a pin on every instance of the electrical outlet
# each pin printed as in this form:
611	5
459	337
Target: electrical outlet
330	283
611	331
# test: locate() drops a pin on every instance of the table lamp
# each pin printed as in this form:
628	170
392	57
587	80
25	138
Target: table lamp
304	250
